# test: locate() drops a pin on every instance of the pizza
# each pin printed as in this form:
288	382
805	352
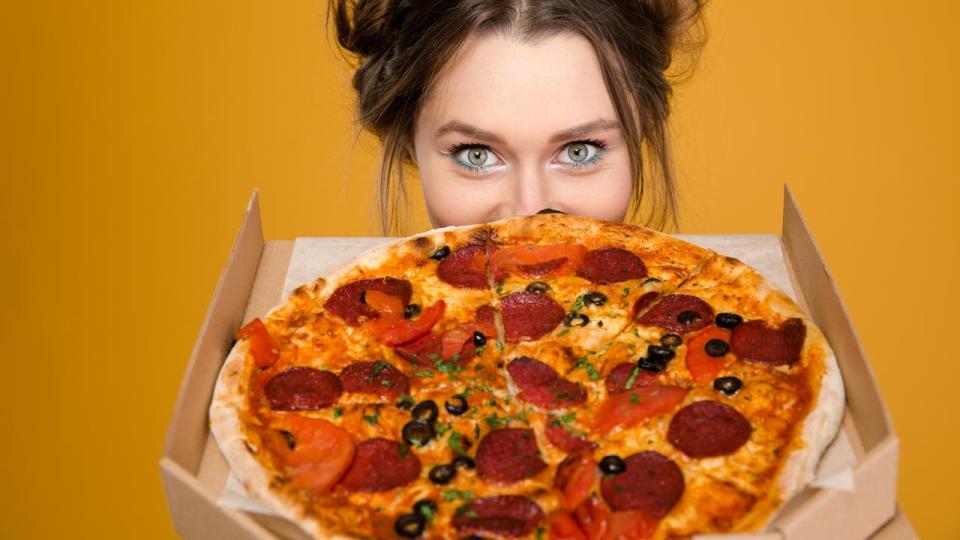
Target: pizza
545	376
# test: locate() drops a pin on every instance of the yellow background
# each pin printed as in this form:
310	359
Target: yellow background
131	134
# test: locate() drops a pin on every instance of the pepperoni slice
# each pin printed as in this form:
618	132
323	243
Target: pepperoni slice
509	455
651	483
379	378
347	301
619	376
465	268
680	313
380	464
560	437
757	341
644	302
528	315
503	515
708	428
611	265
301	388
542	386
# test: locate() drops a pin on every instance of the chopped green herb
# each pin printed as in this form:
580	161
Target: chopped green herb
494	421
636	332
450	368
632	378
454	494
569	417
337	412
563	332
424	373
372	419
442	428
427	513
591	371
500	346
379	366
634	399
500	286
455	442
386	382
626	291
541	533
577	304
478	351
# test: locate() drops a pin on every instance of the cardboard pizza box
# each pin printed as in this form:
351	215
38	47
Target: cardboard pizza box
194	472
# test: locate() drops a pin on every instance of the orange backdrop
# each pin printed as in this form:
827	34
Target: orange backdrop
133	133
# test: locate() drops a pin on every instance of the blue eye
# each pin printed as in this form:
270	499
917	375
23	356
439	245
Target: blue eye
579	154
474	157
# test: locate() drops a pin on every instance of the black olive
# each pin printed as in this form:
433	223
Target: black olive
479	340
652	365
575	318
538	287
411	311
464	462
442	474
458	405
612	465
595	298
650	281
551	211
439	254
688	317
671	340
716	347
417	433
728	320
425	411
405	403
656	352
288	437
425	507
727	385
410	525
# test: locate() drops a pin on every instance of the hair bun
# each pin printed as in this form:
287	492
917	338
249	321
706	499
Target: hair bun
369	27
673	22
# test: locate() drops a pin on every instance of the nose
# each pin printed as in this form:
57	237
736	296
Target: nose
532	191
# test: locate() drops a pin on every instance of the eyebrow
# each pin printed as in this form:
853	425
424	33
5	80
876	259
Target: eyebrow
486	136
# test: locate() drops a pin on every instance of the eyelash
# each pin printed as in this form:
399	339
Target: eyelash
457	148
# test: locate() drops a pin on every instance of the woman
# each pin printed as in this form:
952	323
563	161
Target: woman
511	107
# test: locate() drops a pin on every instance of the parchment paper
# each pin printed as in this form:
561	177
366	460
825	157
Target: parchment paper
314	257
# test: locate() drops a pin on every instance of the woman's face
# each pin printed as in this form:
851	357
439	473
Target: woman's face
511	128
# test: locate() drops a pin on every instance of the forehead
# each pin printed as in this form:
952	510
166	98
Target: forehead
519	89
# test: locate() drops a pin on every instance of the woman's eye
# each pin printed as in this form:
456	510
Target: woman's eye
580	153
476	158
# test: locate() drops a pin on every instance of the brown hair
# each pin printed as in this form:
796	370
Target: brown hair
400	45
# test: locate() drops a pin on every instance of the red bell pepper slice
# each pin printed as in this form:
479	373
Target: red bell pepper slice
322	453
704	368
574	478
393	330
632	406
533	261
262	346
